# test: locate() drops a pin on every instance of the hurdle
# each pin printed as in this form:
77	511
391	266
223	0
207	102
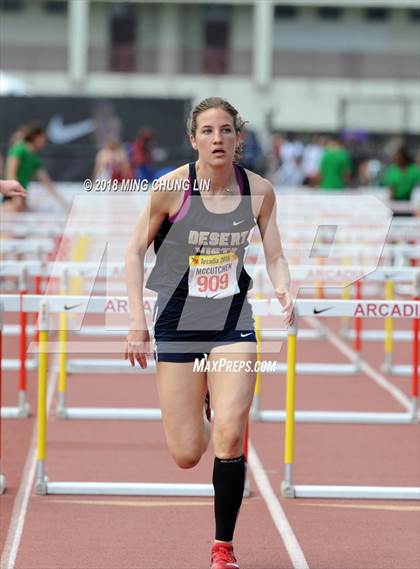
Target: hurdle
340	275
22	247
91	365
22	410
55	304
290	490
390	276
2	477
389	367
362	309
118	366
44	486
377	308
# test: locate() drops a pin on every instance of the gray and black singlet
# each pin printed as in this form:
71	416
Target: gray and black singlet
199	272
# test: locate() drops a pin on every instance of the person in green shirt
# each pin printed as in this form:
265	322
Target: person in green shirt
23	164
402	176
335	168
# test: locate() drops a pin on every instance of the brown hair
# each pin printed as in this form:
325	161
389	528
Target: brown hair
217	103
31	131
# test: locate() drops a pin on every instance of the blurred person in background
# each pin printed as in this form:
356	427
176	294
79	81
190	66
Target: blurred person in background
290	149
356	144
16	136
336	166
107	123
369	172
290	173
112	163
273	158
23	164
311	160
141	155
392	145
252	153
402	176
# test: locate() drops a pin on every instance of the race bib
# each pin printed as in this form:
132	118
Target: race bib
213	276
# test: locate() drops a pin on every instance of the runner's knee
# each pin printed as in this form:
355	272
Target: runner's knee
228	440
186	460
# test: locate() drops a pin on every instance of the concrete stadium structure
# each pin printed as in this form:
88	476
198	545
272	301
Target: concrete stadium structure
296	65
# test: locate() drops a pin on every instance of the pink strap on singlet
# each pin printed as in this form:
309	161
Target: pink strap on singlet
183	210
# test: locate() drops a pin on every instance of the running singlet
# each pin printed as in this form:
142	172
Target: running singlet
200	254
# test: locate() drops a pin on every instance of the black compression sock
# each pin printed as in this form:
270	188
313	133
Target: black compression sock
229	483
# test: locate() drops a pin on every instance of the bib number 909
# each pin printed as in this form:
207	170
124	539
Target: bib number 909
212	283
213	276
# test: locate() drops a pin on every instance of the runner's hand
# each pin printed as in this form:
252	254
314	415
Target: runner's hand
137	347
11	188
286	300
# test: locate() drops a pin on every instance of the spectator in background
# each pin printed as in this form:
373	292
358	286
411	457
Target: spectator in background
141	155
356	144
23	163
290	149
335	168
291	173
369	172
107	123
273	158
252	152
276	142
402	176
311	160
16	136
112	163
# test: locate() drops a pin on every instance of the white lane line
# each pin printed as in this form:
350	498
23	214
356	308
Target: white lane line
20	506
377	377
277	513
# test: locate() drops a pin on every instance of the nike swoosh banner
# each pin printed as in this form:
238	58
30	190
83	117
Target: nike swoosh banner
78	126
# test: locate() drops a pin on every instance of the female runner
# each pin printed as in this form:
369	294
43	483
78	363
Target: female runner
200	236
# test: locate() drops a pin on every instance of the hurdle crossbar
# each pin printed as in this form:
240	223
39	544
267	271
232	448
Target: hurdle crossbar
289	489
308	307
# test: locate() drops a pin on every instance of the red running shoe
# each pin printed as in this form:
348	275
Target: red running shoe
207	406
222	557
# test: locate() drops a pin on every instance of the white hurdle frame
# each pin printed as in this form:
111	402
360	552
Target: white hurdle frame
345	417
289	490
82	304
153	414
43	486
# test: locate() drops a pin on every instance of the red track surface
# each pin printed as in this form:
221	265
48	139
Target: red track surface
82	532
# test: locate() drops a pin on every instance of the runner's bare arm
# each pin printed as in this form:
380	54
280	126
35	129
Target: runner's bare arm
276	263
11	188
